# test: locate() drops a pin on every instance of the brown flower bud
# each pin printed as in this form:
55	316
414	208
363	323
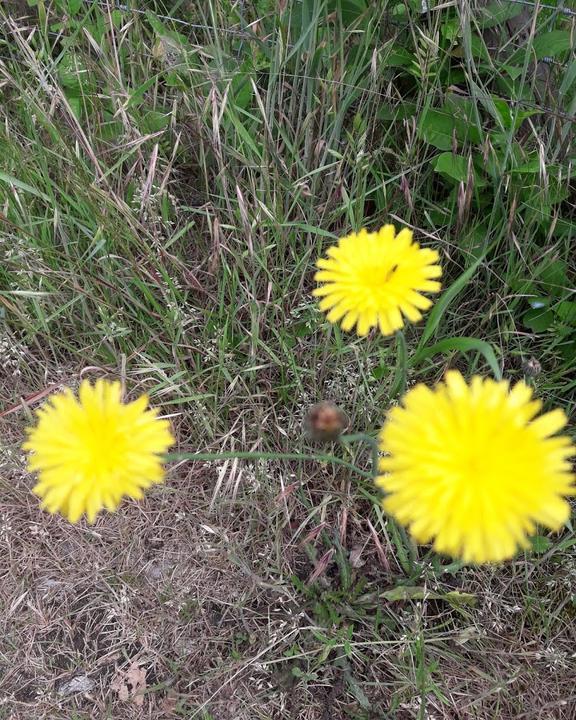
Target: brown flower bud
531	367
325	421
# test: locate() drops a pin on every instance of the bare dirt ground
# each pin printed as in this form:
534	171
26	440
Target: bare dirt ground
183	607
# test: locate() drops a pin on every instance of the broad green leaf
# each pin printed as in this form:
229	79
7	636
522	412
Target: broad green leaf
539	302
456	167
530	167
393	113
554	276
450	29
503	111
566	311
397	57
567	349
75	103
497	13
513	71
479	49
164	32
137	95
351	9
552	43
154	120
538	319
457	597
436	128
464	113
380	371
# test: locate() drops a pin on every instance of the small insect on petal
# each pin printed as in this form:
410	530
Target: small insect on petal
374	280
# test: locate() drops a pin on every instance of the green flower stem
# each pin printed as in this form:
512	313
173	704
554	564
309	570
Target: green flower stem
398	386
301	457
369	440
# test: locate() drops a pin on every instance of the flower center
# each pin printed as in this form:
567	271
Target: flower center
376	277
103	451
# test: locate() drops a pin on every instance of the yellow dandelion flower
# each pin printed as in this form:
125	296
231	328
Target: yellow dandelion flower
470	468
91	452
376	279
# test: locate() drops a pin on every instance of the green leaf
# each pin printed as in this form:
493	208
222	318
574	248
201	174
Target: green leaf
393	113
163	32
568	79
454	166
497	13
539	302
531	167
450	29
405	592
552	43
567	349
398	56
380	371
410	592
464	344
4	177
457	167
538	319
457	598
75	103
566	311
504	111
358	693
464	112
540	544
137	94
479	49
436	128
513	71
444	302
554	276
351	9
154	121
473	241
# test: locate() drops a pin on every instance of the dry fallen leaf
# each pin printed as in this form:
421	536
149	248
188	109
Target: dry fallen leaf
356	559
130	684
169	704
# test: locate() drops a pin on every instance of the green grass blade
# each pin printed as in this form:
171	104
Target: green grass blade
444	302
463	344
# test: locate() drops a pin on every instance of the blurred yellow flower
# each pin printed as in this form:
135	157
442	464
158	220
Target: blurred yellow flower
92	451
470	468
374	279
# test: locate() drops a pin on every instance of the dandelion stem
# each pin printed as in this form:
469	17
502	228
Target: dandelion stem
301	457
369	440
399	382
